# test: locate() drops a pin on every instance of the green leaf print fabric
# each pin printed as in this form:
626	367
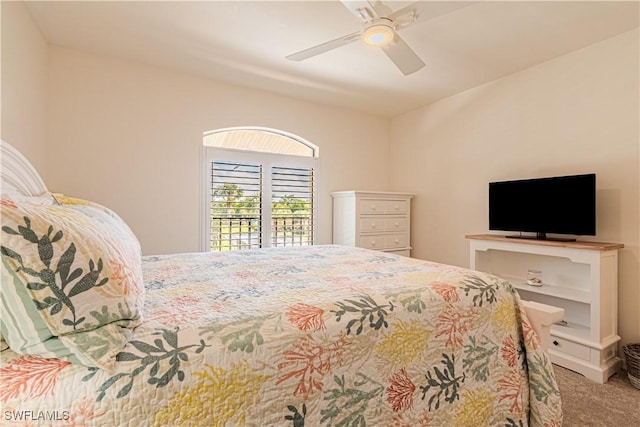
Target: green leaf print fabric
71	282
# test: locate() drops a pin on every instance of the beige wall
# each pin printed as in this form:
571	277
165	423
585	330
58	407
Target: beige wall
576	114
129	136
24	69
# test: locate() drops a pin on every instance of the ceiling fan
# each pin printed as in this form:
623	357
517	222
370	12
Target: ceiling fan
380	26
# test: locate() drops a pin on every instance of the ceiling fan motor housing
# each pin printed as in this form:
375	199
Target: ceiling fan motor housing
379	32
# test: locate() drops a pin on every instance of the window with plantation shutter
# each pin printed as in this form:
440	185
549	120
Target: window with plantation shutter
235	203
291	206
258	198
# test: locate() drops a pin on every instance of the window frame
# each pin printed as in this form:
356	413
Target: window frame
314	148
267	160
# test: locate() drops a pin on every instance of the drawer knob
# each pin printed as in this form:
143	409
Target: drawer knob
373	225
373	207
373	243
396	240
395	224
556	343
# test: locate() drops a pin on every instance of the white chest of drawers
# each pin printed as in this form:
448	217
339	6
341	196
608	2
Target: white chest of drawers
373	220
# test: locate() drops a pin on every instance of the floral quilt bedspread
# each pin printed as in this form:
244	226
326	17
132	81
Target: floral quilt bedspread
311	336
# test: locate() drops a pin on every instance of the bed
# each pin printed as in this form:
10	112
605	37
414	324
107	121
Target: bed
308	336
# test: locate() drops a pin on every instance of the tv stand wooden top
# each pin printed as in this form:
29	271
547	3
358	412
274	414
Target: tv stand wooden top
594	246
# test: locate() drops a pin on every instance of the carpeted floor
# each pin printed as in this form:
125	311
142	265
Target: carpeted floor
585	403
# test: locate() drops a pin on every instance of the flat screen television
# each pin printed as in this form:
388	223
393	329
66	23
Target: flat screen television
558	205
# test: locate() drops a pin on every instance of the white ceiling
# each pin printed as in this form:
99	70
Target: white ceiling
245	43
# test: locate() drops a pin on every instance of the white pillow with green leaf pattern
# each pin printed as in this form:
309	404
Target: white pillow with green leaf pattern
72	283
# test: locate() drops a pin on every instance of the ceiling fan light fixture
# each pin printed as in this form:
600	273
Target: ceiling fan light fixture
378	34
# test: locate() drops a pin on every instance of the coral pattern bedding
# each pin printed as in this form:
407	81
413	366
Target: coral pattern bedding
311	336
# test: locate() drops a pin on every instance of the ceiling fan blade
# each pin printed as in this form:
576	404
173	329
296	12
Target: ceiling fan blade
381	9
362	9
324	47
422	11
403	56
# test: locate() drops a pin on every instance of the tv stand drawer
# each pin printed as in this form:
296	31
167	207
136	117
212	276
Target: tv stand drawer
571	348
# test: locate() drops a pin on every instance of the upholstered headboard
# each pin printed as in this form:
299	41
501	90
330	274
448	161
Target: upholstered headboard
18	174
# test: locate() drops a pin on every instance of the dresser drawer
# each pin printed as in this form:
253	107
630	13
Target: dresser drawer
396	223
571	348
368	224
377	223
396	207
382	207
385	241
400	240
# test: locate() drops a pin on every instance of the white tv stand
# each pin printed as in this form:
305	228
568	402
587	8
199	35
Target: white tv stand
580	277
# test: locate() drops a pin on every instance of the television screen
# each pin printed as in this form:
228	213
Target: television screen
560	205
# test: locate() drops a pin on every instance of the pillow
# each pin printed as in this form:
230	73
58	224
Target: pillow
72	282
62	199
44	199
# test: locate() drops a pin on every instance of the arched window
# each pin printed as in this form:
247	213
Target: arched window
259	189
